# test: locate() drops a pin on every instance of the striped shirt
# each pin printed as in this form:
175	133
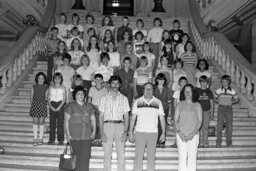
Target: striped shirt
189	59
226	96
114	109
147	114
143	75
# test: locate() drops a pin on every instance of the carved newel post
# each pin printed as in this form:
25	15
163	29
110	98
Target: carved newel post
158	6
78	4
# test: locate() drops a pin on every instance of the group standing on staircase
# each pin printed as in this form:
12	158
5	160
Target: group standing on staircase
102	79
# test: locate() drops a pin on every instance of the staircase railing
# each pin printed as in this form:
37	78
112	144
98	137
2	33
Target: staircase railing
215	46
31	44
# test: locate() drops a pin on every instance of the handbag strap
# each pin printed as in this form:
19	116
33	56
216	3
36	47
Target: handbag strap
66	149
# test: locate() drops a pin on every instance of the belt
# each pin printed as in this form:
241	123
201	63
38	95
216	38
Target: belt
114	121
226	106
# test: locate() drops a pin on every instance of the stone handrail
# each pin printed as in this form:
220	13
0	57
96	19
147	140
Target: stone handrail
215	46
29	45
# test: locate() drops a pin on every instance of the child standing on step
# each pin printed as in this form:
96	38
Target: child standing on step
56	99
38	109
206	100
225	97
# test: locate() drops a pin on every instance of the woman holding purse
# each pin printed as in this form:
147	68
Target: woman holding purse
80	127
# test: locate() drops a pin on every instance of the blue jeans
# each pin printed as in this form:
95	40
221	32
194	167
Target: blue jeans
224	113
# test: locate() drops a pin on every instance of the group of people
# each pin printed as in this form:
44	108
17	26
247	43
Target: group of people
109	85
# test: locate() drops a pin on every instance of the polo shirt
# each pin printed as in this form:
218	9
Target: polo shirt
96	95
147	114
226	96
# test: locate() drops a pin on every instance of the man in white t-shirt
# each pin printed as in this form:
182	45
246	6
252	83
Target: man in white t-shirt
146	109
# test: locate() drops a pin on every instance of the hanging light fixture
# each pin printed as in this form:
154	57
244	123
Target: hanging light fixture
115	3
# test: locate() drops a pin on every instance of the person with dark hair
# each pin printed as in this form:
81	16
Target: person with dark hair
80	126
163	93
56	99
189	59
126	37
140	27
152	63
126	74
138	43
180	47
176	33
76	81
225	96
62	26
104	69
124	28
188	120
106	23
93	51
165	70
206	100
146	111
66	71
89	24
155	38
90	32
114	123
108	36
95	94
202	69
38	110
168	51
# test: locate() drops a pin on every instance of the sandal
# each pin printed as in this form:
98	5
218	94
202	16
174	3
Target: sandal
40	142
35	143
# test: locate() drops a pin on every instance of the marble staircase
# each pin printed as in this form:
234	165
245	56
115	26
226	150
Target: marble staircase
16	138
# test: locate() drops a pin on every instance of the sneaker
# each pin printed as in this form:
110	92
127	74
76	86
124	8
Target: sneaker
51	143
35	142
40	142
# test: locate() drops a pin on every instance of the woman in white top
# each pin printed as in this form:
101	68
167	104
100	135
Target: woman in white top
180	47
93	51
76	53
56	99
113	55
86	72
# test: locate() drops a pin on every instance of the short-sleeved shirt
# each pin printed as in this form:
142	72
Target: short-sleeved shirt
176	76
97	94
85	73
76	57
155	35
106	71
147	114
176	35
114	109
80	120
144	31
226	96
205	97
114	59
80	27
176	95
143	75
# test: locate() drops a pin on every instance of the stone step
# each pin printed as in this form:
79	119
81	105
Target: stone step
54	161
237	140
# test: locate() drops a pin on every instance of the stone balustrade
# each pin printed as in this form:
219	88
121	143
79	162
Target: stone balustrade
11	72
212	46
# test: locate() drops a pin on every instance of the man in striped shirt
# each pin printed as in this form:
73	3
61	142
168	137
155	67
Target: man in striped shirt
114	122
146	109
